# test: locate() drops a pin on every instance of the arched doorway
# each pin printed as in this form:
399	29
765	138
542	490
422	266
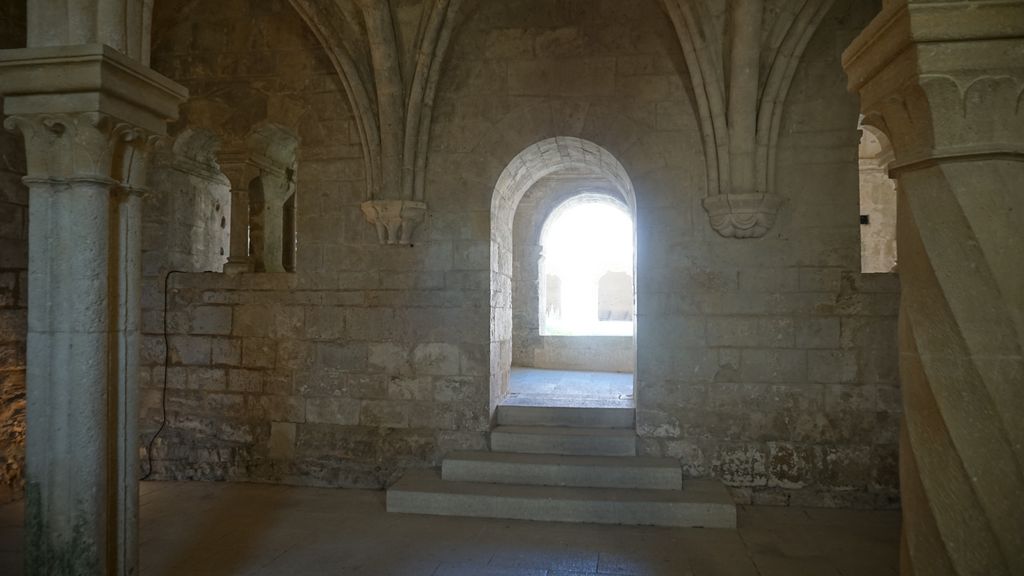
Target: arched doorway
581	170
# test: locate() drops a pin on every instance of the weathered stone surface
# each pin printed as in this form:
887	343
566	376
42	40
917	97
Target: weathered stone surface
755	360
339	411
282	440
957	135
13	285
89	116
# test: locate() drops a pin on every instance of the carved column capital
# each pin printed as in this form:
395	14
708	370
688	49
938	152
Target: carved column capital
89	116
913	69
395	220
77	146
86	112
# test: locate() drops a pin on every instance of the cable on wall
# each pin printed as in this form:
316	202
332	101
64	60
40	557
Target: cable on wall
163	394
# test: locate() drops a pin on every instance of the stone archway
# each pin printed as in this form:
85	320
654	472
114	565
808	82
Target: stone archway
563	153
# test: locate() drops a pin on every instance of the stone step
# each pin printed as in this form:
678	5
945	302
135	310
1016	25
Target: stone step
702	503
553	470
575	416
564	440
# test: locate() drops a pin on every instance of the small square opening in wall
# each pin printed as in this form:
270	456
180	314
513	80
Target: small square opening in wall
865	219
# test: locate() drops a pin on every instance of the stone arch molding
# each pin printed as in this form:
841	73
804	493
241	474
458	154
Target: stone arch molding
580	196
551	156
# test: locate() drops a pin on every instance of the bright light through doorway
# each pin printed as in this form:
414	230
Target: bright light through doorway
586	269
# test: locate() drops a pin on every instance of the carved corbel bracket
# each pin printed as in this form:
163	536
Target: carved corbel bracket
389	55
395	220
741	57
743	215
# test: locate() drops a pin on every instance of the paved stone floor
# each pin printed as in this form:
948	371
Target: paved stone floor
535	386
197	529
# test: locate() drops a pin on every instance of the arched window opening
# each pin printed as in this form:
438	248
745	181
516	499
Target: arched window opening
263	226
877	203
586	268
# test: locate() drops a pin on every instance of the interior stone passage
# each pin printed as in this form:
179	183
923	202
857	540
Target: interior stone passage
644	263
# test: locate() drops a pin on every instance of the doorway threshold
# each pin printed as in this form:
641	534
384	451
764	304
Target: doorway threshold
569	388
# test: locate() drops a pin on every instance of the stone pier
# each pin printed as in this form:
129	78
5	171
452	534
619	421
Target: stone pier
89	116
943	82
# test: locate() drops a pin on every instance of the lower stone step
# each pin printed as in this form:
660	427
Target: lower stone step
579	416
564	440
701	504
553	470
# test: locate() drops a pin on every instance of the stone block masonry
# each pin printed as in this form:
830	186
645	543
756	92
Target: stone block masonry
797	402
13	317
314	386
769	363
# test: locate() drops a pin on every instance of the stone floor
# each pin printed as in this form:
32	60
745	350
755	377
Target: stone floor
535	386
196	529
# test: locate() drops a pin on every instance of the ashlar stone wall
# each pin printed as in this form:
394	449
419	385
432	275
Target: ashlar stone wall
769	363
13	283
360	363
783	378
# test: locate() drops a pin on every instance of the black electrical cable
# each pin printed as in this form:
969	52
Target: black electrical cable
163	395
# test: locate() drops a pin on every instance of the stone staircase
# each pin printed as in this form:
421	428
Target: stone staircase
564	464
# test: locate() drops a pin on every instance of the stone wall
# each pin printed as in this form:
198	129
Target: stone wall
13	282
360	363
769	363
273	380
529	347
783	378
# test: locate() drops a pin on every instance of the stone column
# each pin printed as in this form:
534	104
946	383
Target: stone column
89	116
238	171
277	187
943	81
257	216
262	176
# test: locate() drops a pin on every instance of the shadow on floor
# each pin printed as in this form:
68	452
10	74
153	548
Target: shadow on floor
227	531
